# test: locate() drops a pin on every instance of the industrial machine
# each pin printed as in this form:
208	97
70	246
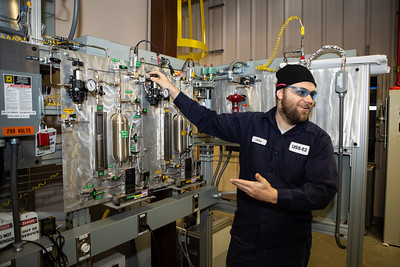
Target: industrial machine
89	105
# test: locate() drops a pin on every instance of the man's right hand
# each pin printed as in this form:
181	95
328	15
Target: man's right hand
164	82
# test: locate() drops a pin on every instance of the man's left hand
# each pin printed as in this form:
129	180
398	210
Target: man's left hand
260	189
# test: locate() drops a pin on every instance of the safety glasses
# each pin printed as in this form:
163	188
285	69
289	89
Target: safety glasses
303	92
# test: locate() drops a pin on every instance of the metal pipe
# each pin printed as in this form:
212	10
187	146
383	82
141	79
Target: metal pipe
14	195
74	20
2	146
11	31
338	235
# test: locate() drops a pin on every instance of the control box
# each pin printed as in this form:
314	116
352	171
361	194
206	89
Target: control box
20	103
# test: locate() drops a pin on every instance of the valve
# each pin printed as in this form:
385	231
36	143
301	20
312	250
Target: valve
236	99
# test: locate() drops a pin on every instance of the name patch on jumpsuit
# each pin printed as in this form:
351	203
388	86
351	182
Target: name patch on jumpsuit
299	148
259	140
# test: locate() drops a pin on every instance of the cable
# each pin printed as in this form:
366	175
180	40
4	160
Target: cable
184	250
152	44
223	168
48	259
218	165
59	242
153	238
271	58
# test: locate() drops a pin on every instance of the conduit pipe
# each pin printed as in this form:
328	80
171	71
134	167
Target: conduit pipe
341	79
74	20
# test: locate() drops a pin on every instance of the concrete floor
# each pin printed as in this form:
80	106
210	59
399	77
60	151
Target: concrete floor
325	252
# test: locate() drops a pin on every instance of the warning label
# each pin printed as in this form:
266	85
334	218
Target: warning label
17	97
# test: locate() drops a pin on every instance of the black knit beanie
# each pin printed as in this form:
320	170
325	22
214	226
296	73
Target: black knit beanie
291	74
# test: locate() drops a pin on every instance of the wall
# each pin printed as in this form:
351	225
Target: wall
122	21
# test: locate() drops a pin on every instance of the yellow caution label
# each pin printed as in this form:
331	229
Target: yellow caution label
158	171
8	78
69	110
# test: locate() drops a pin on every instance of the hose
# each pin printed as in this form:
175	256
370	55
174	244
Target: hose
74	20
224	167
271	58
328	47
11	31
218	166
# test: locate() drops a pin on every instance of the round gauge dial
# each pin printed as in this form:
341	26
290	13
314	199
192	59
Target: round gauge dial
91	85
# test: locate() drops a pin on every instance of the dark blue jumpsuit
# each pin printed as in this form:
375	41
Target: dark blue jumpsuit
300	164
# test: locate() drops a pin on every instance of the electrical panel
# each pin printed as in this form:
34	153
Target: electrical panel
20	106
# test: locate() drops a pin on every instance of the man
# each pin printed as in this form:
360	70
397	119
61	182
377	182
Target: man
287	169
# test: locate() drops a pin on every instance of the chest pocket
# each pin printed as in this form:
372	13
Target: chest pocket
293	168
257	157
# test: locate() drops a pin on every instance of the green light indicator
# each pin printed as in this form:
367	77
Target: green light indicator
110	166
128	91
100	108
88	186
101	173
115	60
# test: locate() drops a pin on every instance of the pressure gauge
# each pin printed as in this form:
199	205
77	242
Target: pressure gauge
91	85
165	93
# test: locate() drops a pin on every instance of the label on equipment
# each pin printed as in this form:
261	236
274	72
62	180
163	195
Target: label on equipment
24	130
41	151
29	227
17	97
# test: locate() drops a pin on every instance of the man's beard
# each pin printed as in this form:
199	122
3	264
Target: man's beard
290	112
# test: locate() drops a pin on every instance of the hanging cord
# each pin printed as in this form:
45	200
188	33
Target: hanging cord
136	48
223	168
218	166
61	259
302	31
184	248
